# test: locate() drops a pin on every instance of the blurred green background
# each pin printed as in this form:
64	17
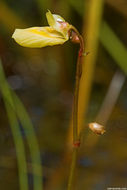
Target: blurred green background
36	94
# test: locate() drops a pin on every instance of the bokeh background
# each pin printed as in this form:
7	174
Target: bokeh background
44	80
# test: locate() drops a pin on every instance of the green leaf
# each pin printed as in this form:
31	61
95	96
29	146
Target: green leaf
114	46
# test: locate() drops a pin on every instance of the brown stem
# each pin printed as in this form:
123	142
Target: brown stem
76	140
76	95
77	82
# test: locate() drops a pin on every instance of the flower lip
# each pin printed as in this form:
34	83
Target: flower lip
37	37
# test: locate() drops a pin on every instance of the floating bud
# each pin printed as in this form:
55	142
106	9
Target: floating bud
97	128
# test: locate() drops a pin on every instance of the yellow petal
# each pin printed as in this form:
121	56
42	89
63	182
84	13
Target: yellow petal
50	19
53	19
37	37
58	23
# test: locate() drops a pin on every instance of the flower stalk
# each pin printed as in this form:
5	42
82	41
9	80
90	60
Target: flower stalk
76	137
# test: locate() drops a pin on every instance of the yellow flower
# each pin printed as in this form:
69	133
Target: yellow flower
37	37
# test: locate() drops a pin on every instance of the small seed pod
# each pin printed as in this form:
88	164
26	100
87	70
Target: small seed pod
97	128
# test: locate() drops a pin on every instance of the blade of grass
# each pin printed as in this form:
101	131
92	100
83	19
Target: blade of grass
114	46
26	123
32	141
18	141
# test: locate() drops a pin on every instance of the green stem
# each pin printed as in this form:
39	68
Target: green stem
72	169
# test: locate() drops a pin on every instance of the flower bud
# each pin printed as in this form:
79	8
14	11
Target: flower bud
96	128
74	37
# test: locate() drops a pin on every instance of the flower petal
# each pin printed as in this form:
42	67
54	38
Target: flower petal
53	19
58	23
37	37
